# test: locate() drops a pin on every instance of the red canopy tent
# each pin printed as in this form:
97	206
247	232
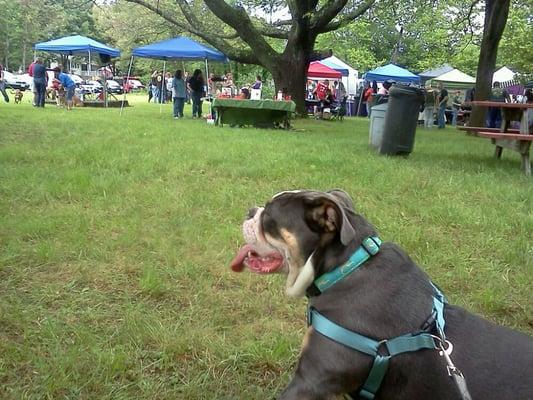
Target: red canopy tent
319	70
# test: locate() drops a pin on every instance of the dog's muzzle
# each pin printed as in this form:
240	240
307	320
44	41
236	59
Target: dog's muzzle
256	254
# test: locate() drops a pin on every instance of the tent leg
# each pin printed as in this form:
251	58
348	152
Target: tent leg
127	79
360	99
208	87
162	89
89	66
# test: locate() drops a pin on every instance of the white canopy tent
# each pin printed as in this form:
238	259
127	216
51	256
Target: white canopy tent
504	74
350	81
454	79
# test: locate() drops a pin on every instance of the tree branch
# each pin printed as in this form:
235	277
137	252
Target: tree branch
347	18
323	16
238	19
246	56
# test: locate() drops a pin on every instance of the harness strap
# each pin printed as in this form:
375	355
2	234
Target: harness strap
398	345
375	377
341	335
369	247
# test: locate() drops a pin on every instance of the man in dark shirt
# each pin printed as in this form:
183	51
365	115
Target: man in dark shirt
443	101
500	95
39	81
3	84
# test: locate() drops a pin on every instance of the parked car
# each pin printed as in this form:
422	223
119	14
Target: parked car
136	84
76	78
91	87
15	82
130	84
114	87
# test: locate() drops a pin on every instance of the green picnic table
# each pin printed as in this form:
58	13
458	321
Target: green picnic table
261	113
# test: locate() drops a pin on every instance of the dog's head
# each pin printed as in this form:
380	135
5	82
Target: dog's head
301	233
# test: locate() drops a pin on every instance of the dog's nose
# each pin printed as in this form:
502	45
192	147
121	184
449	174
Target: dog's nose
251	212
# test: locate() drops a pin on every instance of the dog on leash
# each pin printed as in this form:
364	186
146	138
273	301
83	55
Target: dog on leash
18	96
312	237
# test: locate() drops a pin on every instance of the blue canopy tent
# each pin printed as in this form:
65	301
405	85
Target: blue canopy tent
392	72
77	44
178	48
336	67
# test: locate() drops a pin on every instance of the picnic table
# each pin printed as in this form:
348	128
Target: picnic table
261	113
505	137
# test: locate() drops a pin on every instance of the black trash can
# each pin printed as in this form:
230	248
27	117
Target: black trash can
401	120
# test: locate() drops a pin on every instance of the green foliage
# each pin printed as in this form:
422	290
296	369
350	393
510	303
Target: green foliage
26	22
516	49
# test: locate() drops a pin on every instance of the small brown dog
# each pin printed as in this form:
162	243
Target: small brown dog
18	96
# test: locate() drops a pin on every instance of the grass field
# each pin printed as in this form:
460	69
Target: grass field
116	234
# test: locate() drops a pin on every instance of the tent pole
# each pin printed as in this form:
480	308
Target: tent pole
360	98
161	90
89	66
208	87
127	79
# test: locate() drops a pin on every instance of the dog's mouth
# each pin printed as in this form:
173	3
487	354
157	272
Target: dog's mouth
248	256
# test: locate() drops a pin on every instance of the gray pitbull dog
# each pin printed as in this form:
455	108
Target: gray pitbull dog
305	234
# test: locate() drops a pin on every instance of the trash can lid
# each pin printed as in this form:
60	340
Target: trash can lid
403	90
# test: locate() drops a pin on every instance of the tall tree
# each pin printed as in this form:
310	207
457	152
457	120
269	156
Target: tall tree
496	13
245	34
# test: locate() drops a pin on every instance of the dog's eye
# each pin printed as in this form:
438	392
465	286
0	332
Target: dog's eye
269	225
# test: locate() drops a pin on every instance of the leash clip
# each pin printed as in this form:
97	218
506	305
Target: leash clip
454	372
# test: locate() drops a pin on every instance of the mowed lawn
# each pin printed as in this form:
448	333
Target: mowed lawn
116	234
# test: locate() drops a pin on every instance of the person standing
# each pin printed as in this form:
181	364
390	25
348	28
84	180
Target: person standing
340	91
197	86
179	93
32	86
168	87
155	86
368	96
321	89
68	85
499	95
442	102
429	107
384	90
39	82
3	84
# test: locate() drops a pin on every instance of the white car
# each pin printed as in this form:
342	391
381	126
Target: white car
15	82
135	84
113	86
91	87
76	78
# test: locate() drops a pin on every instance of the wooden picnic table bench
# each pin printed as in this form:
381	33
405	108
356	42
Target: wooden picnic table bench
475	129
513	139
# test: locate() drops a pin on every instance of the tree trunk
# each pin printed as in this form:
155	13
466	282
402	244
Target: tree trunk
291	77
496	13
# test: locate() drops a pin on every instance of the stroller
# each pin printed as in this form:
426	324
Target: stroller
338	109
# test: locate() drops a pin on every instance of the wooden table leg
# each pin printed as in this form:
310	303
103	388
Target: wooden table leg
526	164
524	130
498	152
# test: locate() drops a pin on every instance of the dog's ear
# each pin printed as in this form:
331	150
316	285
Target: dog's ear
328	212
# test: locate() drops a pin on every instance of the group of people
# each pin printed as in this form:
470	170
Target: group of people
373	94
61	83
326	94
180	89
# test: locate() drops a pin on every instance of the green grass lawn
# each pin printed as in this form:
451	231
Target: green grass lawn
116	234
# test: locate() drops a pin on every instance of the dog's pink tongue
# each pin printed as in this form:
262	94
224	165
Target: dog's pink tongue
237	264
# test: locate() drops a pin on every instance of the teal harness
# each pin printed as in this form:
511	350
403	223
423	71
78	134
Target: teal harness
381	350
